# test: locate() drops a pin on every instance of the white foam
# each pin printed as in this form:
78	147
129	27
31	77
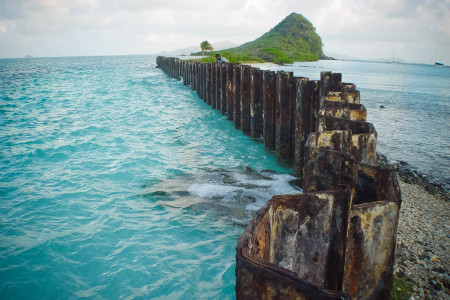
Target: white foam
209	190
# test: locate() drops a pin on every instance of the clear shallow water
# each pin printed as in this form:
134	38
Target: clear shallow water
118	182
414	125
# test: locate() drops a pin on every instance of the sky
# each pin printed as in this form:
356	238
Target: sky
412	30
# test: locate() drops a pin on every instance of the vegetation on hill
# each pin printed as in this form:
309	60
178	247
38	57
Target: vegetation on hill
205	45
293	39
233	57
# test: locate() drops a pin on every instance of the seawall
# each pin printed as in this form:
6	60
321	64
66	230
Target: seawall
337	240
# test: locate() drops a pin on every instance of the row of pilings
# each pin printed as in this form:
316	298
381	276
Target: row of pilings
275	107
337	239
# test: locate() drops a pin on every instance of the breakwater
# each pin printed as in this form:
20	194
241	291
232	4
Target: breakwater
337	240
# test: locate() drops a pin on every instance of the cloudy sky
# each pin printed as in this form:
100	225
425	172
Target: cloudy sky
415	30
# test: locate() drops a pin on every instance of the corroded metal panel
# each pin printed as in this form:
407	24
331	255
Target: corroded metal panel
269	101
350	94
370	250
364	147
259	280
256	114
327	169
208	83
294	247
237	96
346	112
229	93
337	140
333	96
328	123
204	81
219	86
223	88
245	99
216	101
329	82
300	105
306	95
308	233
370	245
283	117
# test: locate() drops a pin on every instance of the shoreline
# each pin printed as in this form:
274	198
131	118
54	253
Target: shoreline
415	177
421	253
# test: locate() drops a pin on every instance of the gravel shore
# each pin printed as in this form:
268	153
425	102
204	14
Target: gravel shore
423	240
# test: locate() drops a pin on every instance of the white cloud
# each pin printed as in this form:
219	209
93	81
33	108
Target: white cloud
358	28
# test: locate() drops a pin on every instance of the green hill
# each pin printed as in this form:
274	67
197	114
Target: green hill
293	39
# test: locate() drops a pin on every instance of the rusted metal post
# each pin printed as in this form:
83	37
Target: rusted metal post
213	84
237	96
208	83
256	112
294	248
298	85
372	231
229	93
201	81
216	102
306	111
223	88
205	81
178	69
196	77
328	166
219	87
269	101
245	99
192	70
283	117
188	74
329	82
364	136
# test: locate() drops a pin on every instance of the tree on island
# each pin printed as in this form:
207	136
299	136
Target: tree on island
205	45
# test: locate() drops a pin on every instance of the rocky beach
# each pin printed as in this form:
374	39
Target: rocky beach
423	235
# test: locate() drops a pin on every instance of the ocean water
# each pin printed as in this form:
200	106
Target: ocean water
414	125
117	182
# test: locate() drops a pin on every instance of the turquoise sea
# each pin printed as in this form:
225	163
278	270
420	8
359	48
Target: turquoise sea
118	182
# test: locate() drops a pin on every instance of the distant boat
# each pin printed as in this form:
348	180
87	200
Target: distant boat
438	64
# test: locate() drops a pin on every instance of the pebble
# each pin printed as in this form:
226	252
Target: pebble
422	241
